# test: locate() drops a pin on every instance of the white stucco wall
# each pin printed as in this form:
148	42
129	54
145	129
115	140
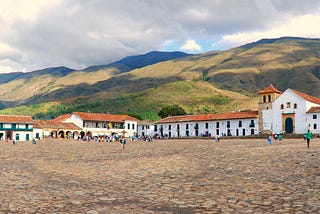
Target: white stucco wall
210	127
314	122
300	116
146	129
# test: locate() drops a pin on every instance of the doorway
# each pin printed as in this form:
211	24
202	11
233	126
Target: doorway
289	125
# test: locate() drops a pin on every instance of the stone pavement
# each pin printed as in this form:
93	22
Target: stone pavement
165	176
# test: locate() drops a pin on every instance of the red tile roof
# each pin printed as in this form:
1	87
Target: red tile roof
307	97
314	110
104	117
15	119
269	89
210	117
55	125
61	118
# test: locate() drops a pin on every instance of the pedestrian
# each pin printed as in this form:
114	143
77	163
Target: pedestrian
269	138
124	143
308	137
34	141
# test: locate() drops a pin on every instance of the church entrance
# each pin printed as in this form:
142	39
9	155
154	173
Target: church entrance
288	123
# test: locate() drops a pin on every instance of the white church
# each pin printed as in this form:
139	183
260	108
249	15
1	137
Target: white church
290	112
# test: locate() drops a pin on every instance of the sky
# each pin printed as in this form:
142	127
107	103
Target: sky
37	34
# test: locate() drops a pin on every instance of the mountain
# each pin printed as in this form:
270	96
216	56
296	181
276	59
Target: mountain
133	62
215	81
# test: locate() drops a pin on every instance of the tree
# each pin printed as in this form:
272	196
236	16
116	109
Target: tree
173	110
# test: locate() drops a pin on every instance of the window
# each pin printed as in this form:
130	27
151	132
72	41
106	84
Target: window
264	98
196	126
178	127
147	127
207	125
13	125
314	116
169	127
142	127
187	126
133	126
228	124
240	123
288	105
281	106
217	125
128	125
315	126
155	128
295	106
269	98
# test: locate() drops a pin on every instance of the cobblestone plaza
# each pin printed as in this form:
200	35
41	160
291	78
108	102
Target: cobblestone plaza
164	176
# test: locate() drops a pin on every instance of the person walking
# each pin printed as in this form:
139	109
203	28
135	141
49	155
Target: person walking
124	143
269	139
308	137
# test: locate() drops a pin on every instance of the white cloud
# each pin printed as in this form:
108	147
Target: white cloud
302	26
191	45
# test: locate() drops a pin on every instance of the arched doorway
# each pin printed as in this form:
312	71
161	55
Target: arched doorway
61	134
289	125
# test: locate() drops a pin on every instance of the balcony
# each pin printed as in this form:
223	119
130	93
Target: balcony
16	129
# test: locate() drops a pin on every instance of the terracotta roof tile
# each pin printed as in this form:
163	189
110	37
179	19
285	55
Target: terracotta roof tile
269	89
55	125
314	110
15	119
307	97
61	118
210	117
104	117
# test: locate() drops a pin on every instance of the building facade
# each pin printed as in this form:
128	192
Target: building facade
209	125
290	112
146	128
17	128
55	129
96	125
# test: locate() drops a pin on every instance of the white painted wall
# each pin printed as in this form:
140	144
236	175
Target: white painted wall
146	129
188	128
314	122
300	121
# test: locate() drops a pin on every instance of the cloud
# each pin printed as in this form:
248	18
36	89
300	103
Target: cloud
79	33
191	45
302	26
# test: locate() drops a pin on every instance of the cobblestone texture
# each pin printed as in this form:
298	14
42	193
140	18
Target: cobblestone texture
165	176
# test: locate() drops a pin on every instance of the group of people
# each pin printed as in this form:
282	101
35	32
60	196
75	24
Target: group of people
307	136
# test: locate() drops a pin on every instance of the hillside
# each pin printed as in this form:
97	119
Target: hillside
216	81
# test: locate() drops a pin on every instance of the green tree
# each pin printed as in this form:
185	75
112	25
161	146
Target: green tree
172	110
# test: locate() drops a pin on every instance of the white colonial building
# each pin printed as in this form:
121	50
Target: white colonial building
18	128
96	125
146	128
290	112
227	124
